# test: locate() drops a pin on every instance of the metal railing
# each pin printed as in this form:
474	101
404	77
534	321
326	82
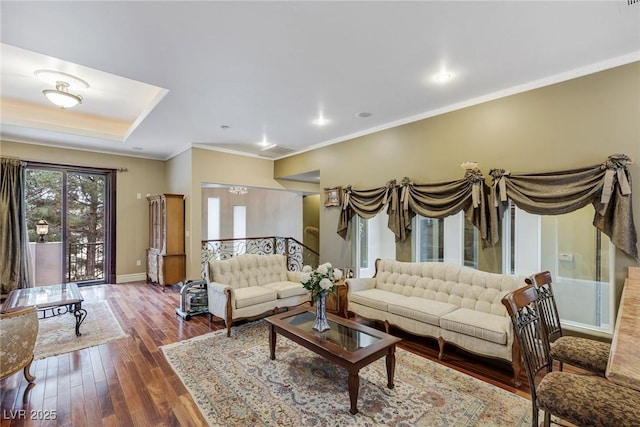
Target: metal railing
85	261
298	255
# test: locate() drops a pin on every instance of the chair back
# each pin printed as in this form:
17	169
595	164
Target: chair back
547	303
530	332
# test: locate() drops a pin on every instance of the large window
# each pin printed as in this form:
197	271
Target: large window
373	240
452	239
579	257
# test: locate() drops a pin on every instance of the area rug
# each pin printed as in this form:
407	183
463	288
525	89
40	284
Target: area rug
234	383
57	335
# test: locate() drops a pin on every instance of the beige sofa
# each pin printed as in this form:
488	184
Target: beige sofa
250	285
455	304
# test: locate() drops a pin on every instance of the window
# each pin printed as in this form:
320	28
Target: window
240	228
578	256
452	239
373	240
213	218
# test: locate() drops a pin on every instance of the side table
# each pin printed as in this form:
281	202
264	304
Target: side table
337	301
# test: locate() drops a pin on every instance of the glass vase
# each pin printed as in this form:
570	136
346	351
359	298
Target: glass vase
321	323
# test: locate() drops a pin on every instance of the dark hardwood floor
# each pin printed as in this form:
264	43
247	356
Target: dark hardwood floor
128	382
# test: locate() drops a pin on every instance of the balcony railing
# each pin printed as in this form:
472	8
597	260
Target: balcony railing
297	253
85	261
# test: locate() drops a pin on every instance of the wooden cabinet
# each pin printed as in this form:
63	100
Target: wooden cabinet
166	259
337	301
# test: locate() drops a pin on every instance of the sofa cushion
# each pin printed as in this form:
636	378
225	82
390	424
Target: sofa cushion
423	310
286	289
376	298
253	295
488	327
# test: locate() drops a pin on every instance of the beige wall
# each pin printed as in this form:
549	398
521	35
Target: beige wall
142	176
572	124
215	167
269	212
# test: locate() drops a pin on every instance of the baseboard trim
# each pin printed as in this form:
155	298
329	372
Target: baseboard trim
126	278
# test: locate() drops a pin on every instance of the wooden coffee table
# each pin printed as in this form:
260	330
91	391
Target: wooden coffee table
51	300
347	344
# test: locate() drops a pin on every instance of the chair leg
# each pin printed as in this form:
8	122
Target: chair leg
534	415
547	419
27	375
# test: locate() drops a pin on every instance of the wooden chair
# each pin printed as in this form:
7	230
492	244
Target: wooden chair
584	353
18	333
581	399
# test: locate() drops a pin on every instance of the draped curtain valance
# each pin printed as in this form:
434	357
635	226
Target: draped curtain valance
606	186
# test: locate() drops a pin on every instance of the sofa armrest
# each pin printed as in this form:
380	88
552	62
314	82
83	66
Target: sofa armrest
220	296
360	284
293	276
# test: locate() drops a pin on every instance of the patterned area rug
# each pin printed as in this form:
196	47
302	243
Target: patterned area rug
57	335
234	383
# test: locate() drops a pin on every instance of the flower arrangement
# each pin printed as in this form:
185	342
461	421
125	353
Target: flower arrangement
322	279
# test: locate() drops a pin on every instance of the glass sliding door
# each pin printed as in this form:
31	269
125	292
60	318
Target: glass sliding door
77	205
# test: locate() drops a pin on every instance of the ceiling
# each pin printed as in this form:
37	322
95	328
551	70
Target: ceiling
166	76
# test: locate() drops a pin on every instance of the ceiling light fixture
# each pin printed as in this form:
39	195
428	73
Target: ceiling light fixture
363	115
320	121
443	77
238	190
61	96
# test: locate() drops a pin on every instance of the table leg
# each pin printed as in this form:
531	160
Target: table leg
391	365
80	314
354	386
272	342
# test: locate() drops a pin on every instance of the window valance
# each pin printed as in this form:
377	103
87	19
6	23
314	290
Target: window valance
606	186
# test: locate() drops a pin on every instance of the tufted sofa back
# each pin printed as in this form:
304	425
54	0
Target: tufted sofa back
249	270
463	286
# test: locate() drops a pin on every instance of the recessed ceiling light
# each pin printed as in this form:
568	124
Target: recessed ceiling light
363	115
268	146
443	77
320	121
225	127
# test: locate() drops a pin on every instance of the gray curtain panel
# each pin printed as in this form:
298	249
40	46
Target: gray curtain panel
14	245
606	186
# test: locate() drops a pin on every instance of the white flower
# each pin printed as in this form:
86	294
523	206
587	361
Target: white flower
326	284
305	277
337	274
307	269
324	268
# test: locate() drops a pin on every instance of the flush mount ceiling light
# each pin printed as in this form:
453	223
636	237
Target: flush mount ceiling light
61	96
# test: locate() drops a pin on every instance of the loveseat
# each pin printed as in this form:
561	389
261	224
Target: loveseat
452	303
250	285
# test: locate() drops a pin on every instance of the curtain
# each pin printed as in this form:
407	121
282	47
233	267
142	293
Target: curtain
606	186
14	244
444	199
367	204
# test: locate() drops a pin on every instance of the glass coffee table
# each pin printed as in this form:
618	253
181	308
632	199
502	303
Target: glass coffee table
50	300
347	344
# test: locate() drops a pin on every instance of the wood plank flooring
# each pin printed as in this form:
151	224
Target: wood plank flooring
128	382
